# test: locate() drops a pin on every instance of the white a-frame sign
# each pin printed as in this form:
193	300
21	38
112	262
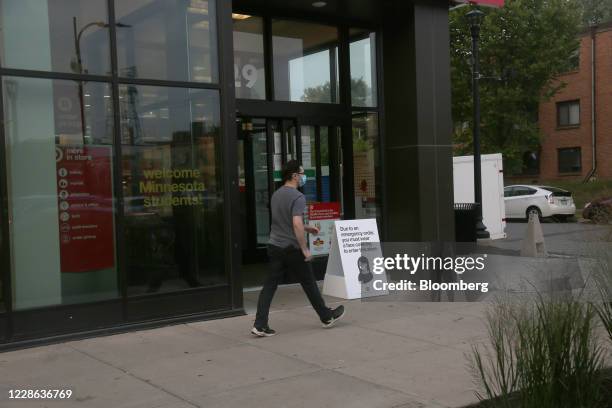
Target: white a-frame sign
350	273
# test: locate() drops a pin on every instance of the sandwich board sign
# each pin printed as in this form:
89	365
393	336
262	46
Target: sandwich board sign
349	273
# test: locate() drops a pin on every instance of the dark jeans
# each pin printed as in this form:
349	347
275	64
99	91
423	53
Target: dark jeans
289	259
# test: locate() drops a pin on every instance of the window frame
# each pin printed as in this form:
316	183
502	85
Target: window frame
567	105
523	191
220	299
266	58
334	81
560	150
375	94
339	98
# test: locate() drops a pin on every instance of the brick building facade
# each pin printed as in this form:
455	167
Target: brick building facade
566	120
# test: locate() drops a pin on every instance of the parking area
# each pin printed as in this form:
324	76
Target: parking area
569	239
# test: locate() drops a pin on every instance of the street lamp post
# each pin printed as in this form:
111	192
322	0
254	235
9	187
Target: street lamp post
474	19
79	62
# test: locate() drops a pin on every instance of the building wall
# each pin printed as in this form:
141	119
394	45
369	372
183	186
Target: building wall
417	108
578	86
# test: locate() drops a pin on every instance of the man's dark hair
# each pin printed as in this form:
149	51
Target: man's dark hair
289	169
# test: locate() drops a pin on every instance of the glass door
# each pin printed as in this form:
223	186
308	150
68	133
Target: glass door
321	156
254	186
284	147
264	145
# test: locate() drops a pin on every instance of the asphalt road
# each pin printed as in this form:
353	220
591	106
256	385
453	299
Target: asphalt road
573	239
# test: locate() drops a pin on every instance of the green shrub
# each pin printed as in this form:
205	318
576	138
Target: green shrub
542	354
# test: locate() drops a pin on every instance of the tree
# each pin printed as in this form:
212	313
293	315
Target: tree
523	47
596	12
360	91
321	93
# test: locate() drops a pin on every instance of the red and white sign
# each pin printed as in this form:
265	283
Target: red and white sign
324	211
85	203
322	216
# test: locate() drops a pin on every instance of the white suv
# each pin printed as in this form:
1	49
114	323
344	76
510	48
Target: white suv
543	201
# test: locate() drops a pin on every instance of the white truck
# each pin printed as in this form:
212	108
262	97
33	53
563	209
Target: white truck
493	207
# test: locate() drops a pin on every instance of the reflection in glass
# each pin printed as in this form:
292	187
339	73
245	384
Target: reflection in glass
290	139
363	68
55	35
249	71
60	191
242	188
366	164
309	157
167	39
304	61
277	158
259	151
285	147
172	187
325	175
315	159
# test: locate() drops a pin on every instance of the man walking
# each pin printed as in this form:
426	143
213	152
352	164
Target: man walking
287	251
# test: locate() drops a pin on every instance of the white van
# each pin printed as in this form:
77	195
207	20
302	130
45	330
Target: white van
493	207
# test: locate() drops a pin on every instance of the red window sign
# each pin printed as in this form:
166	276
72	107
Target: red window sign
85	203
324	211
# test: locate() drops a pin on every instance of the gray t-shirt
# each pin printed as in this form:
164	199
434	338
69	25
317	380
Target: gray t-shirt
286	202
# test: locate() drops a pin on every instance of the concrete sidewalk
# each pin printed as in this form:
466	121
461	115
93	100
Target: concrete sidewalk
380	355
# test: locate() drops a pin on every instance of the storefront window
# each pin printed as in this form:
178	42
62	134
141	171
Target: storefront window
366	164
171	40
305	58
60	191
363	68
172	188
249	70
55	35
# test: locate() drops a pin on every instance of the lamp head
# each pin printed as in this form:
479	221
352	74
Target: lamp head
474	18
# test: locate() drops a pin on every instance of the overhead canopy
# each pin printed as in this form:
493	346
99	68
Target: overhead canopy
367	11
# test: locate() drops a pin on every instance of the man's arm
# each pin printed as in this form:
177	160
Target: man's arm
311	229
298	230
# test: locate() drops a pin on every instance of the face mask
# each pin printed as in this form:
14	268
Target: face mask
302	180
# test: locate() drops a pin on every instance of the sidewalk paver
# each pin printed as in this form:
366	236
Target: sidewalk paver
383	354
319	389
